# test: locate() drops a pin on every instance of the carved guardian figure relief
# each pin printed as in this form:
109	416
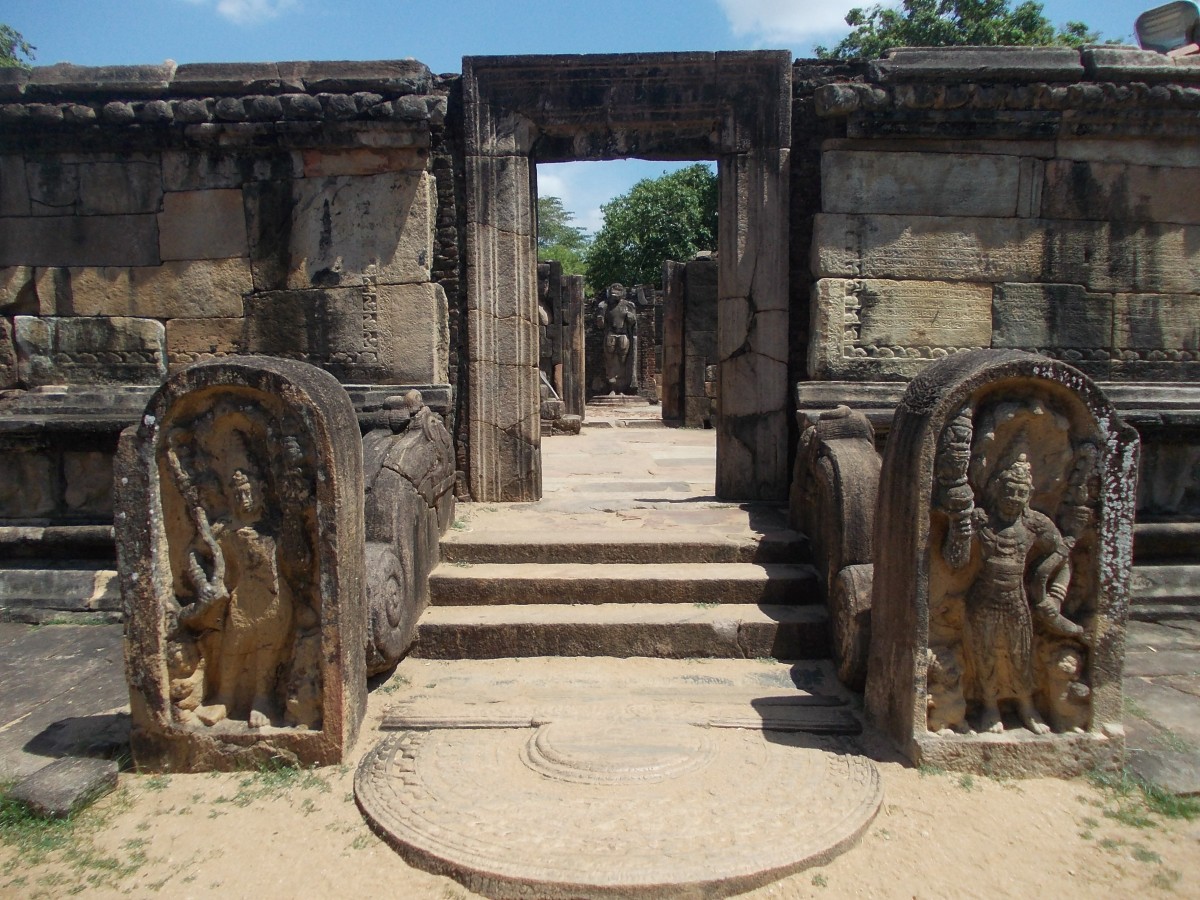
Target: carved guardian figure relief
243	640
1013	530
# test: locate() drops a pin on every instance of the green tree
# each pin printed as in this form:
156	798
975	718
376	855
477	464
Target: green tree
950	23
669	217
558	239
14	49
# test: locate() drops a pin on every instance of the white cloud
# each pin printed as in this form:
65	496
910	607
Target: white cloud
247	12
788	21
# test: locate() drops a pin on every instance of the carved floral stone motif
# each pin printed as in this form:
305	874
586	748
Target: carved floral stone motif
1003	551
240	539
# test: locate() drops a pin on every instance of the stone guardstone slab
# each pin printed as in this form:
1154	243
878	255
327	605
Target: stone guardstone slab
240	539
1003	548
608	806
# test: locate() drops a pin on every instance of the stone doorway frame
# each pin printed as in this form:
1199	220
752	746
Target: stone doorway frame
734	107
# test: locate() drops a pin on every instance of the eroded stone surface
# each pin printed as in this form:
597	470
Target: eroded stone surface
240	536
1001	575
607	780
409	476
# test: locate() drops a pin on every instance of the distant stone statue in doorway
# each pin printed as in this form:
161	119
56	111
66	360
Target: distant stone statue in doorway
617	319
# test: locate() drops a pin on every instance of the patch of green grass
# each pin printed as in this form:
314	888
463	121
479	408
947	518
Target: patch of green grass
706	604
37	840
1141	854
394	684
766	660
820	881
77	619
273	779
459	525
362	842
32	836
967	782
1133	802
1166	879
1134	709
927	771
157	782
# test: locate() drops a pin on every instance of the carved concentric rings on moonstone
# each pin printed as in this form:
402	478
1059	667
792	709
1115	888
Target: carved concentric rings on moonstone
599	752
563	811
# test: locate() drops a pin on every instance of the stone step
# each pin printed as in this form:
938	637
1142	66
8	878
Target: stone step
1166	541
1165	592
666	631
597	546
465	584
43	590
58	542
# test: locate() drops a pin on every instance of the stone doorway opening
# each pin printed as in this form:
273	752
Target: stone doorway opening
521	111
631	335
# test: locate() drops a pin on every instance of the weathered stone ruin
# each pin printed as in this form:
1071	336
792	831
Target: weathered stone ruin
561	346
689	342
1003	543
409	482
240	541
902	220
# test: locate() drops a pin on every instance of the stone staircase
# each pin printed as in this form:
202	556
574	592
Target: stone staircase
605	594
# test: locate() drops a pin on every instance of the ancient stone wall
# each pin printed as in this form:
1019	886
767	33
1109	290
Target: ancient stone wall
155	216
1015	199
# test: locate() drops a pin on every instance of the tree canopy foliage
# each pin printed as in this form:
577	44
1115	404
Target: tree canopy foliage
669	217
14	49
950	23
558	239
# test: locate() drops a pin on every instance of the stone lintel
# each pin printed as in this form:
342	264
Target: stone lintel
1028	64
66	81
1132	64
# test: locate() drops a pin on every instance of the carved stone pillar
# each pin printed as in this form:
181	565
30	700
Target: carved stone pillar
752	330
502	320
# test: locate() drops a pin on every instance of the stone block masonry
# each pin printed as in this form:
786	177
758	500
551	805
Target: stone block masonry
164	194
978	202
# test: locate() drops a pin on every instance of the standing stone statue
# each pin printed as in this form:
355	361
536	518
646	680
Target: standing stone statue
617	319
1002	552
240	546
1016	547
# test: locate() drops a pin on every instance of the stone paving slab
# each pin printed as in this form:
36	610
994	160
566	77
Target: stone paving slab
594	544
1164	706
62	691
1162	662
66	785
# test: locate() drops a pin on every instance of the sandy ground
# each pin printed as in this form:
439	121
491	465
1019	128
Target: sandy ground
266	835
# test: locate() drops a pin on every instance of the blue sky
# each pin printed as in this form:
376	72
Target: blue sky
95	32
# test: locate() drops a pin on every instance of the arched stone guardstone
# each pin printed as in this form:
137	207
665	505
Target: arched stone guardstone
240	542
1012	401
